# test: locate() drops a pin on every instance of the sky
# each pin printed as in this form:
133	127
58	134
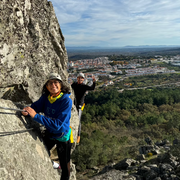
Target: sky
118	23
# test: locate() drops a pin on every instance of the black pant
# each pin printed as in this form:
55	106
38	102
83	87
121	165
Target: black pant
64	153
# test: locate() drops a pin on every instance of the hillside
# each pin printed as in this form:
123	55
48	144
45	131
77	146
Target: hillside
115	125
90	53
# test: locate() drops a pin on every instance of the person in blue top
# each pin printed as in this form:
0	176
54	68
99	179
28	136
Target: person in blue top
55	104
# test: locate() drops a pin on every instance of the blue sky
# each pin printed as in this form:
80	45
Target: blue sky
117	23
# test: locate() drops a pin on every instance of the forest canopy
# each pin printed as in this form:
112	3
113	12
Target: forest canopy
114	124
132	108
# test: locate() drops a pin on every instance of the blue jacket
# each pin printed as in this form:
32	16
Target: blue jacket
56	116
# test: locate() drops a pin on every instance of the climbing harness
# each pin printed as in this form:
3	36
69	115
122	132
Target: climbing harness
71	136
82	107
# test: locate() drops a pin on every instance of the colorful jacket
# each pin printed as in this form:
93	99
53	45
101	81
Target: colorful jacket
56	116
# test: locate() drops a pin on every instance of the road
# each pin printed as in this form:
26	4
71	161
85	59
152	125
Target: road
177	84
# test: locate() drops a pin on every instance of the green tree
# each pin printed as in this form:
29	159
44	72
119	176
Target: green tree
86	117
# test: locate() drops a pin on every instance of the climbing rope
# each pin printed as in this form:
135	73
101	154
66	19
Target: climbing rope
15	132
11	109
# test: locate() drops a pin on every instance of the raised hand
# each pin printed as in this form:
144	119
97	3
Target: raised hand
93	78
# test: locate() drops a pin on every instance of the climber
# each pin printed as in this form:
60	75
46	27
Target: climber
56	105
80	91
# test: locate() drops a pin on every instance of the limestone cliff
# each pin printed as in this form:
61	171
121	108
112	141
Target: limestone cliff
31	46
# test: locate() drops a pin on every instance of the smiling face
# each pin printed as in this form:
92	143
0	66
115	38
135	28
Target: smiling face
80	80
53	86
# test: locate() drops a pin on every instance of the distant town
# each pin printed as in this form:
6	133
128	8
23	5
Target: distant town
102	66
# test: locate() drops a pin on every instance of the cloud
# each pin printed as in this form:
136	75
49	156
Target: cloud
118	22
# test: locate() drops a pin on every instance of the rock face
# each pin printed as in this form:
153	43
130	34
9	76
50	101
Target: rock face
22	152
163	166
31	46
